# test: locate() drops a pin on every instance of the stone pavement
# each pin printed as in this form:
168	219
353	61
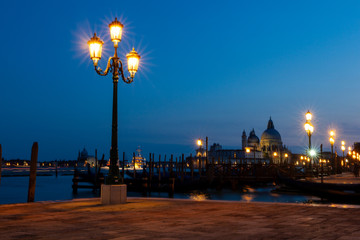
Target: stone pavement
344	178
143	218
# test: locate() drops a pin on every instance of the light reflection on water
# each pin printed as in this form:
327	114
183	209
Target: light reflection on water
14	190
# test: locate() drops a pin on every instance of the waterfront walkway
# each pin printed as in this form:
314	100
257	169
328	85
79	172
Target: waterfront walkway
164	219
344	178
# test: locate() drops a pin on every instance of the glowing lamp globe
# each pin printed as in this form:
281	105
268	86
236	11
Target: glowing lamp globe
332	140
311	128
308	116
307	126
95	48
312	152
332	133
247	150
116	31
343	148
199	142
343	143
133	62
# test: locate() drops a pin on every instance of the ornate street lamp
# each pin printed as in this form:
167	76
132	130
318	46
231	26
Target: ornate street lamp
115	66
332	141
343	150
309	128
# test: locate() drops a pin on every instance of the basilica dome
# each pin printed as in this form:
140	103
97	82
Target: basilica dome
270	139
253	138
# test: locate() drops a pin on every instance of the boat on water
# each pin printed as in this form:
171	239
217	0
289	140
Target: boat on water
335	192
138	162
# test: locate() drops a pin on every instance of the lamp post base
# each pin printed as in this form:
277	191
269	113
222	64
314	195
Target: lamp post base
113	194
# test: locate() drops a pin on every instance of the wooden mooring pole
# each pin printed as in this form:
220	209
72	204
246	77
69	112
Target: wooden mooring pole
153	165
32	180
182	167
56	168
164	165
159	169
0	161
192	167
171	178
123	168
176	167
134	165
96	167
199	166
171	165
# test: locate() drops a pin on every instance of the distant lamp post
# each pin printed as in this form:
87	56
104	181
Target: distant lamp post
312	154
199	142
286	158
275	155
115	66
332	141
343	150
309	128
322	162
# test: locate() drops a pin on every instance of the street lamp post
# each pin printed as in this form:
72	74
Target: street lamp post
322	161
332	141
343	150
115	66
309	128
275	155
200	143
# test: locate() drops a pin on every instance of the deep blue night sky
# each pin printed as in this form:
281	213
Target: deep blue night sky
209	68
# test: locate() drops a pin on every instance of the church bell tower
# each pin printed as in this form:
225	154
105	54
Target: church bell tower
244	140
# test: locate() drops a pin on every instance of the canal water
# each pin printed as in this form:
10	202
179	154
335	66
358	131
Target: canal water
51	188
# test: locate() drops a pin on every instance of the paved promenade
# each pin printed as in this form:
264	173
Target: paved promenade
344	178
177	219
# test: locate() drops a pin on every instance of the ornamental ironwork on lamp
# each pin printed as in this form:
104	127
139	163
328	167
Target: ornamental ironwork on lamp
114	66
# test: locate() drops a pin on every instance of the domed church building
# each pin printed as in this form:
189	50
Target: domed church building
267	149
252	141
271	140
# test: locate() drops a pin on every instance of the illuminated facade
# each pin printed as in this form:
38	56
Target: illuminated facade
84	158
253	150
